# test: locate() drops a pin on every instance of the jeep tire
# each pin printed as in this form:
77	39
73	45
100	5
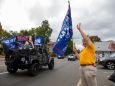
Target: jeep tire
12	70
34	69
51	65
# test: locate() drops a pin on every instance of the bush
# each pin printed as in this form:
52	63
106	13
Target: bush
53	54
1	51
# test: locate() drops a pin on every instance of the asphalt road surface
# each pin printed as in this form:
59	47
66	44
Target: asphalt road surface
65	73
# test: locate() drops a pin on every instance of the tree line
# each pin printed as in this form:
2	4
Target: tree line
43	30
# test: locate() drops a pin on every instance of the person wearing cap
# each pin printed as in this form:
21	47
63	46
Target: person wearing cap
87	60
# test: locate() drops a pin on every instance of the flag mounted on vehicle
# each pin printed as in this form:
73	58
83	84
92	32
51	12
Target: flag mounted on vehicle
65	34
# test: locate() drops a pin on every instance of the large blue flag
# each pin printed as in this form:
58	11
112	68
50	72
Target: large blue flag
65	34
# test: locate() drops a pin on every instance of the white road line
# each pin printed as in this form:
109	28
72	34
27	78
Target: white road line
108	76
2	65
3	73
107	72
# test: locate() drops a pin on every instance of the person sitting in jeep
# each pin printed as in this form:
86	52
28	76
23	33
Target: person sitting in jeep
29	43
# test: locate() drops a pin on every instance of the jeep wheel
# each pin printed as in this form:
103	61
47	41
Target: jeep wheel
51	65
110	65
12	69
34	69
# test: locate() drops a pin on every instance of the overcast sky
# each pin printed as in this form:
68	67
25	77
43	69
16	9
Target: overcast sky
97	16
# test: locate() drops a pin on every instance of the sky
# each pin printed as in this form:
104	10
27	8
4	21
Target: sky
97	16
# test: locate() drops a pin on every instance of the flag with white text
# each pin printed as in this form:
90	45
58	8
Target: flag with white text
65	34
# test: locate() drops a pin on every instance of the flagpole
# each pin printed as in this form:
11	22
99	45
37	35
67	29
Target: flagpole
73	43
68	1
72	37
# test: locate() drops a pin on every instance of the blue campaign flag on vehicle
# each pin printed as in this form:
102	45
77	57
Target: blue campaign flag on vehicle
9	43
39	41
65	34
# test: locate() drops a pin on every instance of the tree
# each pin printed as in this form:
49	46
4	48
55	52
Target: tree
1	32
32	31
1	37
13	33
6	34
24	32
69	48
44	30
95	38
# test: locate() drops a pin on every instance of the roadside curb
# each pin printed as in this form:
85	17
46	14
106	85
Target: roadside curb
2	58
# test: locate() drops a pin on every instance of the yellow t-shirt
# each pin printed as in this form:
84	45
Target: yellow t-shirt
87	56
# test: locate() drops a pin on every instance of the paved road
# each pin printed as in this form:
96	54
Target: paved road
65	73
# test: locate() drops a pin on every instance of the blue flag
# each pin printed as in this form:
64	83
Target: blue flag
9	43
39	41
65	35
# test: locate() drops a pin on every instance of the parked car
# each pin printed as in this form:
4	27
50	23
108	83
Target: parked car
97	58
60	57
112	77
108	62
71	57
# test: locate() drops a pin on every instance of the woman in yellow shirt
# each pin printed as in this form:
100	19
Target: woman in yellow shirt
87	60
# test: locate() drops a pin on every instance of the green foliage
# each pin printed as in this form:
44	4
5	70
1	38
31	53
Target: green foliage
53	54
69	48
95	38
32	31
1	32
1	49
44	30
24	33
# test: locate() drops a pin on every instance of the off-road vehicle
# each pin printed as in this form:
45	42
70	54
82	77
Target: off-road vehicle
17	56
